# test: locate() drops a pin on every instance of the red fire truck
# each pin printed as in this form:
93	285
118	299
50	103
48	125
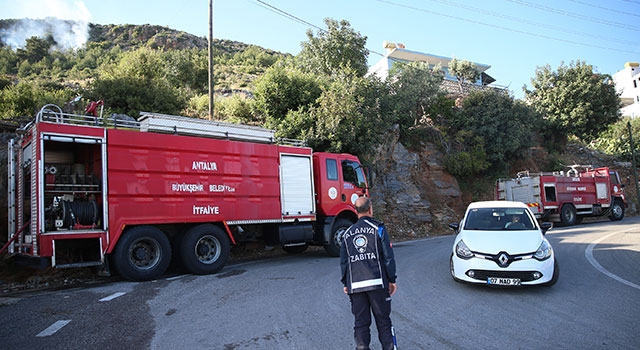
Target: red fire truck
567	197
87	191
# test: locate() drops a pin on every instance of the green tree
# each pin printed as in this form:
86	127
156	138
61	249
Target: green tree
138	82
615	140
235	109
575	99
415	88
467	156
464	71
333	50
8	61
35	49
349	116
284	88
506	125
26	98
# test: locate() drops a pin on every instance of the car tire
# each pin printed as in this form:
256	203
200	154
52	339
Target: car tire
568	215
556	274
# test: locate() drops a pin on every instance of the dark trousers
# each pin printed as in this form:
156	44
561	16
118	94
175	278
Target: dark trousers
362	305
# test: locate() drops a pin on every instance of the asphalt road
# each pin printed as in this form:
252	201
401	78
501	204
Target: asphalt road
296	302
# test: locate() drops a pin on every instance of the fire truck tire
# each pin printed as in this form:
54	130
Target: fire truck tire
333	248
568	215
617	211
204	249
143	253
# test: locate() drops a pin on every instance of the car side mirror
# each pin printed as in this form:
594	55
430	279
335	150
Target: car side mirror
455	226
545	226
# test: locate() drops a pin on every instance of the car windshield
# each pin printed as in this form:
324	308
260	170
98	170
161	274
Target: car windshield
496	219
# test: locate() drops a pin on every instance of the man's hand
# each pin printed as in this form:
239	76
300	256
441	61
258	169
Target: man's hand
392	289
346	291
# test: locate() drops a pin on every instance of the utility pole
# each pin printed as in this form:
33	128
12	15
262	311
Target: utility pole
211	109
633	156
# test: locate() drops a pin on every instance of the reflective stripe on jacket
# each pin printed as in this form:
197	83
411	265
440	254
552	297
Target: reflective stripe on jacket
366	257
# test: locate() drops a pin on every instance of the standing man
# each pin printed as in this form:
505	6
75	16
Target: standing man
369	276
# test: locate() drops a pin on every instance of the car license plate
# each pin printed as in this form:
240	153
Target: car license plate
499	281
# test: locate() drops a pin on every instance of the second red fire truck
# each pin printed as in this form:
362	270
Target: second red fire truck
84	190
567	197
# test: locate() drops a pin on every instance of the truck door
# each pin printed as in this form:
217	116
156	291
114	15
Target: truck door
339	180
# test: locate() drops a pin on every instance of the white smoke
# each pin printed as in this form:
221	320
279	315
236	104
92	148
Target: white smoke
66	21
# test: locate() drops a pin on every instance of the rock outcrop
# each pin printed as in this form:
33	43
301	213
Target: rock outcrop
412	192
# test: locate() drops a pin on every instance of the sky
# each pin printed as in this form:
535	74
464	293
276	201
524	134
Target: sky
514	37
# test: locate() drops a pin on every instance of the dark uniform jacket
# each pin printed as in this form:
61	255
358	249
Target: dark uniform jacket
366	257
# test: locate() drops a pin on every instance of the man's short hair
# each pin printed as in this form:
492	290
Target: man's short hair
364	205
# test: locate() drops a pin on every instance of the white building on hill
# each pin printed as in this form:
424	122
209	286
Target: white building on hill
627	83
398	53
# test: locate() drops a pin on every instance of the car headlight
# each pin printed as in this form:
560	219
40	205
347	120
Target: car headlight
544	251
462	251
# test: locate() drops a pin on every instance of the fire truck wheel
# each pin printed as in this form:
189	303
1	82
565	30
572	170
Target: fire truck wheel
617	211
143	253
333	248
568	215
204	249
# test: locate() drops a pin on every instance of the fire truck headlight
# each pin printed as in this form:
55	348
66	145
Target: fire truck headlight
544	251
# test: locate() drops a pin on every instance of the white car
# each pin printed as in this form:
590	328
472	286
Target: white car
501	243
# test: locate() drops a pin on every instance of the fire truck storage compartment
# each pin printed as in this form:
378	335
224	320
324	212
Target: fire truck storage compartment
72	184
77	252
550	192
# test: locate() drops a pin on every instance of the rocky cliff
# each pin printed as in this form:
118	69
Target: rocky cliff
412	193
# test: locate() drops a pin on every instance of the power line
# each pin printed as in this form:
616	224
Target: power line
575	15
605	8
294	18
284	13
505	28
537	24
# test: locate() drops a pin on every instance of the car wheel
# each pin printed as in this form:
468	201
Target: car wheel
568	215
339	227
556	273
617	211
452	271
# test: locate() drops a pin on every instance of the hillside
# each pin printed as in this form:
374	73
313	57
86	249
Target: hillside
237	64
13	32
